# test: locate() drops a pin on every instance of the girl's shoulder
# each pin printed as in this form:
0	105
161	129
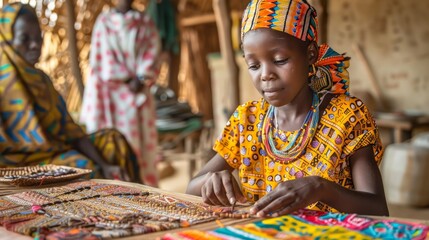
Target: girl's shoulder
345	112
343	101
252	107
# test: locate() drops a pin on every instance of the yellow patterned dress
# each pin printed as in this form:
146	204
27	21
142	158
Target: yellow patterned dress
35	126
344	127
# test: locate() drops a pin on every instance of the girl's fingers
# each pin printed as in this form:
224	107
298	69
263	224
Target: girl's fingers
272	208
220	192
209	197
238	194
204	195
290	208
228	185
262	203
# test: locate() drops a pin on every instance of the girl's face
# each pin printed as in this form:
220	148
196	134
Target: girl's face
278	64
27	38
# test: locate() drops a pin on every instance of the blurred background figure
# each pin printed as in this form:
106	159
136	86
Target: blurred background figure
35	126
125	48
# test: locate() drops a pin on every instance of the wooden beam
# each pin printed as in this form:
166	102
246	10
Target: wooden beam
323	22
73	50
203	19
223	22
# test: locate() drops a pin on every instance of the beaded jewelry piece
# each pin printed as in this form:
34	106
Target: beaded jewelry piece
320	79
298	140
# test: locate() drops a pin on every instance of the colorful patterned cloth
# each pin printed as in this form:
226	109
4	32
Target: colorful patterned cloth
307	224
35	126
124	46
294	17
299	19
345	126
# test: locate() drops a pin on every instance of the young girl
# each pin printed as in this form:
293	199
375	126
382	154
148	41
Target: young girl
307	142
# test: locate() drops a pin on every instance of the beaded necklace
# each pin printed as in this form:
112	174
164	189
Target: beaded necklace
298	139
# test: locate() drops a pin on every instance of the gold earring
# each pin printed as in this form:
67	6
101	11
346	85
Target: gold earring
321	79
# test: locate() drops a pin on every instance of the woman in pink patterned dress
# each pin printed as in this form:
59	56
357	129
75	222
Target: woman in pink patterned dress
123	65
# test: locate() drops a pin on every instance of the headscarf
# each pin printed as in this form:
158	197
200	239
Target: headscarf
299	19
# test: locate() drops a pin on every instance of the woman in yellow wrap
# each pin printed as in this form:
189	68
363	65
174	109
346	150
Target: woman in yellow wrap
35	126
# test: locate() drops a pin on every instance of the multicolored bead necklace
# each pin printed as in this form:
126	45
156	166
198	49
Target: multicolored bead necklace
299	139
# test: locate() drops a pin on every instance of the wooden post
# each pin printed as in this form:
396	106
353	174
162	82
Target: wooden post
223	22
323	22
174	59
73	51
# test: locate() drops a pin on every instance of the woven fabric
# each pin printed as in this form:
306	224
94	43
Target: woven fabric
307	224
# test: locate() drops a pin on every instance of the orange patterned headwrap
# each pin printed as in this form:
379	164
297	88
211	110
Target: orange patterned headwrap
294	17
299	19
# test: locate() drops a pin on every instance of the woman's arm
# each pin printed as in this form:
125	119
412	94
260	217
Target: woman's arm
367	197
87	148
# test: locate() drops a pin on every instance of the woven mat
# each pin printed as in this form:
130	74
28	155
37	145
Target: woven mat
7	189
40	175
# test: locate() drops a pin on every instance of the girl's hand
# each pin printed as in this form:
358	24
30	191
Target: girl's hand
290	196
221	188
114	172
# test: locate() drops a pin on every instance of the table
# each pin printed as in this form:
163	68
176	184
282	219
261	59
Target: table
402	125
187	197
4	234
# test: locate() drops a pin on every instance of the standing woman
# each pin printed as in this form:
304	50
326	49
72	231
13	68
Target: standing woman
123	65
35	126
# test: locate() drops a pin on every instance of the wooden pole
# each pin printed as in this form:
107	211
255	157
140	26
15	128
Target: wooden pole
174	59
373	80
323	22
223	22
73	51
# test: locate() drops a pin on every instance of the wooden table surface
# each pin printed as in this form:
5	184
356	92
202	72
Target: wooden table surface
4	234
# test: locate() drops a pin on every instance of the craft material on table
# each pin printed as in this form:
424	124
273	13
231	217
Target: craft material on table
310	224
40	175
90	210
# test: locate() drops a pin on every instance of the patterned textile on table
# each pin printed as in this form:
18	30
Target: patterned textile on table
310	224
35	126
345	126
88	209
124	46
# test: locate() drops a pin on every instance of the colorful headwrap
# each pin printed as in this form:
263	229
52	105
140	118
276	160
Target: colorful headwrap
299	19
